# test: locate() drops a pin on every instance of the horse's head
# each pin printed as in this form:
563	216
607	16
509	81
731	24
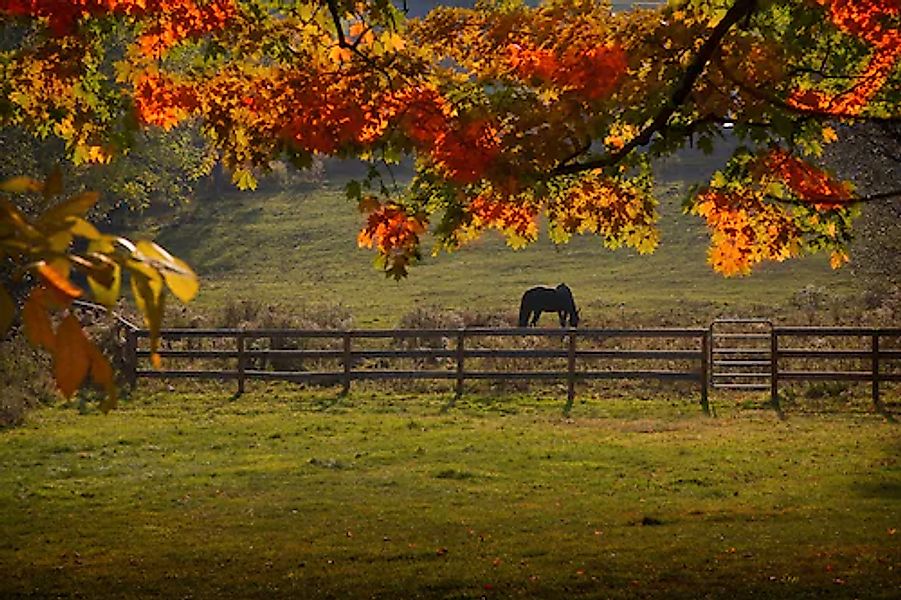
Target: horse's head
574	318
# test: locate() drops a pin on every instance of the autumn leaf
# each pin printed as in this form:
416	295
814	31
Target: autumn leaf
71	356
147	290
65	290
38	328
21	185
837	259
104	279
77	206
179	277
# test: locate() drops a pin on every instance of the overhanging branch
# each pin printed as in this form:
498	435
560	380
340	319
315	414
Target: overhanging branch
741	9
775	100
887	195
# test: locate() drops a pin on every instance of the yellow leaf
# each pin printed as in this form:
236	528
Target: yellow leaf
837	259
71	357
77	206
7	311
38	328
83	229
105	280
829	135
394	42
339	54
147	288
59	242
20	185
105	244
180	279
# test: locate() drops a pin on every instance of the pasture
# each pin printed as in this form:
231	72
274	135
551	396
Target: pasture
286	492
299	250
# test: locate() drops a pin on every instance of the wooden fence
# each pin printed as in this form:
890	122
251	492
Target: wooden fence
863	345
858	354
455	347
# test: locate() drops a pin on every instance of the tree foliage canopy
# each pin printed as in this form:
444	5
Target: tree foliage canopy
512	112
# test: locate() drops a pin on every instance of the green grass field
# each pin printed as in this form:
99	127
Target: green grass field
299	249
295	494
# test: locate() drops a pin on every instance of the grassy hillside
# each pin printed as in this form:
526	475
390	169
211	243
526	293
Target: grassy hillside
299	248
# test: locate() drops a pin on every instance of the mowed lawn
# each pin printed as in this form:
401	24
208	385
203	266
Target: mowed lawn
299	494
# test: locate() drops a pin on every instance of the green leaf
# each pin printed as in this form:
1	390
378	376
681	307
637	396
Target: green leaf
353	190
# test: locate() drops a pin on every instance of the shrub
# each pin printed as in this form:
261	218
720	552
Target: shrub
26	380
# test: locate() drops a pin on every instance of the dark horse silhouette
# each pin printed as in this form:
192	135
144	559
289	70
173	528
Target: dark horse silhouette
544	299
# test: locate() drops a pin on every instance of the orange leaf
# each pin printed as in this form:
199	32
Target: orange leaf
38	328
66	290
71	357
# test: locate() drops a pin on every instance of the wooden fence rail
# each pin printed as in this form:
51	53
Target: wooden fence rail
879	349
457	346
868	349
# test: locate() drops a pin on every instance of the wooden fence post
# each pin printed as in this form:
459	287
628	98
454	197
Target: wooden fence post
239	339
347	357
570	373
461	353
705	370
131	358
774	370
877	403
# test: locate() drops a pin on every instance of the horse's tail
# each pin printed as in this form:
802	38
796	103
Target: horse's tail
523	312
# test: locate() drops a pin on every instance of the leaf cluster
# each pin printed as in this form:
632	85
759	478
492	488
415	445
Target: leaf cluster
56	249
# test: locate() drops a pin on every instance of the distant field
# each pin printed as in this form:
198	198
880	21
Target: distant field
299	248
295	494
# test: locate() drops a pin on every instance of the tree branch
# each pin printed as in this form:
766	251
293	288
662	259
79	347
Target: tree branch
887	195
741	9
807	112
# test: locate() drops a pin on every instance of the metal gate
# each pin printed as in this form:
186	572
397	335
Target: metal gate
741	354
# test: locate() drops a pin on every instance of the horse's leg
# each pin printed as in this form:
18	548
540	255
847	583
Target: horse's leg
561	314
535	315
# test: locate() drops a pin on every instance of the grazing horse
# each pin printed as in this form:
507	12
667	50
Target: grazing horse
544	299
